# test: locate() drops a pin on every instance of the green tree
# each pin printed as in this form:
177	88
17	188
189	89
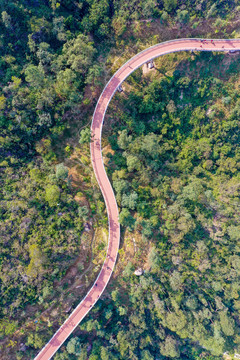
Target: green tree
176	321
115	294
35	340
153	259
6	19
130	201
133	163
169	348
123	342
35	76
120	186
170	5
128	271
44	54
61	171
85	135
62	356
98	19
74	346
171	108
52	194
66	83
150	145
78	54
146	355
126	219
124	139
7	327
2	102
95	75
37	260
175	280
149	8
105	353
83	212
227	324
59	28
183	16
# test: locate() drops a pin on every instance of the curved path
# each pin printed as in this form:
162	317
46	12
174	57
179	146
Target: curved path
114	227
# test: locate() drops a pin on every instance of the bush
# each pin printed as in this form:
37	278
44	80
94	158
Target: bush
61	171
52	195
85	136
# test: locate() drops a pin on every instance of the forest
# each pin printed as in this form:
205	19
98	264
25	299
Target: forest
171	150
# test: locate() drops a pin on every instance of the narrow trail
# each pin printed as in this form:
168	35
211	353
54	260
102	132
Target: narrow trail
97	161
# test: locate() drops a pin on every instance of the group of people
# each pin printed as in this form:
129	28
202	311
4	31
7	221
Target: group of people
108	256
203	41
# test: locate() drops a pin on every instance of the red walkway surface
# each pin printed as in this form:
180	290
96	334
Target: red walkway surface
114	227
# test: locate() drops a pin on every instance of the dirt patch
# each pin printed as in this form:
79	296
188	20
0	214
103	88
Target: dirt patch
133	249
227	357
146	70
107	149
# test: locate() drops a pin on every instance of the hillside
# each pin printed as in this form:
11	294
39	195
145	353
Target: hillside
171	151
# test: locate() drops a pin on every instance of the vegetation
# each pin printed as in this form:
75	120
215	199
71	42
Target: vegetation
174	166
175	172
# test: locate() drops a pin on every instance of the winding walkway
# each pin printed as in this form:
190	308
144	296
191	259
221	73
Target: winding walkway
112	210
